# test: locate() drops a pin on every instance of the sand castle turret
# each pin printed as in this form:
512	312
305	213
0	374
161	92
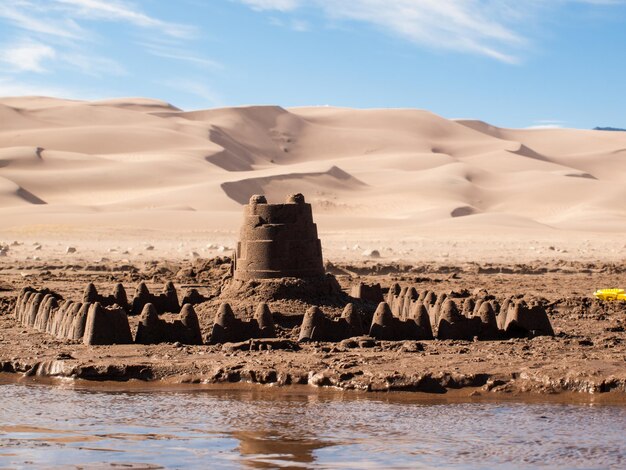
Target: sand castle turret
278	240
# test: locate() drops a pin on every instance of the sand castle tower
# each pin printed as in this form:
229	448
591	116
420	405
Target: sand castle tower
278	240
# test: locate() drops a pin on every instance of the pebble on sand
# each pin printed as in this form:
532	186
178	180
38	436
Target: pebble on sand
70	249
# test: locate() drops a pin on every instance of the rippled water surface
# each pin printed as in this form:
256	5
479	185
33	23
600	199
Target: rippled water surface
44	426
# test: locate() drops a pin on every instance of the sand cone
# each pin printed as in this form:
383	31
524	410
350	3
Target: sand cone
504	311
394	290
453	325
434	312
47	313
189	319
171	296
149	327
265	320
20	302
225	316
312	325
142	297
419	314
410	298
468	307
119	294
33	309
40	311
477	306
353	320
430	299
106	326
523	321
90	294
78	330
489	325
225	322
382	323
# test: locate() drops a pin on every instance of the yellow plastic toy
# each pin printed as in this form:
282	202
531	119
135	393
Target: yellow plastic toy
610	294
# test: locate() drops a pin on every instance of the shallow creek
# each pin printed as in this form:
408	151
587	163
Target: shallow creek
261	427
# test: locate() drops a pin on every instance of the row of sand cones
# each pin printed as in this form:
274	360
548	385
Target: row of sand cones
406	315
46	311
480	316
97	323
100	320
166	301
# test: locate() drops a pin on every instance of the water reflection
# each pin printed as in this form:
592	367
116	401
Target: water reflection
56	427
266	449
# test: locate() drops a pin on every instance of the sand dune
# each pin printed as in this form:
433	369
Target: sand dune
132	159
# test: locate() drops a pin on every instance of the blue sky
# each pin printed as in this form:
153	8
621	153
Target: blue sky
513	63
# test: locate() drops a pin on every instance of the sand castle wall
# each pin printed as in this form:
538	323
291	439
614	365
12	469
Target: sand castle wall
406	314
89	322
103	320
468	317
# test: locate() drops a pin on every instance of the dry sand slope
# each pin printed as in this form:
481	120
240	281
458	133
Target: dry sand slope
145	164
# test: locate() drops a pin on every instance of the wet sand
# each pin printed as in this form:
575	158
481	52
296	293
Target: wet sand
587	356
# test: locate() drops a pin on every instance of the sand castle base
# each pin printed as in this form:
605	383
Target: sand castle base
320	290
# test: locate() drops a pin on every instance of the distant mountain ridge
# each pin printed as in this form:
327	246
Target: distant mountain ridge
609	129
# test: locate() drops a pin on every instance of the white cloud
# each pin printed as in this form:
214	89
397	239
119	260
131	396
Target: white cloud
12	87
300	26
31	56
27	56
547	124
34	18
113	10
93	65
279	5
483	27
549	121
198	88
60	34
544	126
172	51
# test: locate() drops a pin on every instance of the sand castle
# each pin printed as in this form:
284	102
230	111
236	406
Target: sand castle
278	240
279	256
279	252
